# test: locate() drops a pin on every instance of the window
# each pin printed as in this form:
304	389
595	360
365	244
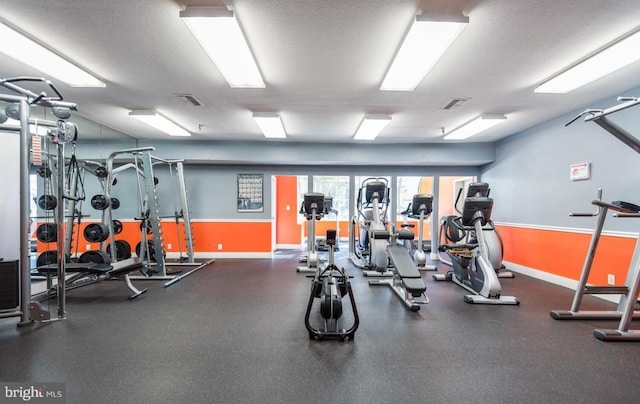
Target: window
407	188
336	187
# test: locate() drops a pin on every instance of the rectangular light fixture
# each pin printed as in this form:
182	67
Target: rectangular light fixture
475	126
371	126
219	33
424	44
620	54
270	124
23	49
154	119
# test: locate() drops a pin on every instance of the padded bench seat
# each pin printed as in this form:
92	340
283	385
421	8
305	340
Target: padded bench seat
407	270
102	270
89	267
125	269
92	268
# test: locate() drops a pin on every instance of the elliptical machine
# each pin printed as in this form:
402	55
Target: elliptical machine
321	242
329	285
472	269
369	236
420	208
376	249
312	211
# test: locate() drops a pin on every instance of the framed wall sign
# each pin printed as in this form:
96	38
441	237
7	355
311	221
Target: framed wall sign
250	193
579	171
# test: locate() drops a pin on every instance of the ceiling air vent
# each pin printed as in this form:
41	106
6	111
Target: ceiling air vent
189	100
455	103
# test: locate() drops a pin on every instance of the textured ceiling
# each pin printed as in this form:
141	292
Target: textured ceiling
323	62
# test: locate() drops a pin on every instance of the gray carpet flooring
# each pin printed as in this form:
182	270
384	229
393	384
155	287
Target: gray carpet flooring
234	332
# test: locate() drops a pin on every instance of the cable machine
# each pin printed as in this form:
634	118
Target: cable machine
60	133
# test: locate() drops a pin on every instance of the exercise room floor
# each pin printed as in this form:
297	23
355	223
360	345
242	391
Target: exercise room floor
234	332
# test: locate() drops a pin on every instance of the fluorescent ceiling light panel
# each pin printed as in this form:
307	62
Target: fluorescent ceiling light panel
270	124
23	49
371	127
424	44
475	126
612	58
159	122
219	33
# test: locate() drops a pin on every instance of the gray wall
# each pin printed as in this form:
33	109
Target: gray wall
530	177
10	200
281	153
212	193
212	189
212	184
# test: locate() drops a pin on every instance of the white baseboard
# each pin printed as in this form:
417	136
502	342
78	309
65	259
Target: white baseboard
205	255
288	246
555	279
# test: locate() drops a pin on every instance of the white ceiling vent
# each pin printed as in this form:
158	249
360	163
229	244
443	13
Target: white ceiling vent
456	103
189	100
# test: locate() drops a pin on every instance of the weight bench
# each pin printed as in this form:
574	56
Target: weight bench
98	271
406	282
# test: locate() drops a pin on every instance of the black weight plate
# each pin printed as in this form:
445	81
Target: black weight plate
47	202
99	202
145	223
95	256
117	226
47	232
123	250
96	232
49	257
115	203
44	172
150	253
101	172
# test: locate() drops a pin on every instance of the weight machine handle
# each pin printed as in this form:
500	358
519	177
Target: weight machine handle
595	202
39	99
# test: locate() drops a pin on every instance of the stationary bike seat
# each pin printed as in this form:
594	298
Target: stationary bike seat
627	206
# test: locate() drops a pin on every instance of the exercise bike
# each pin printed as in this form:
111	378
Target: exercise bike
452	232
330	285
472	269
420	208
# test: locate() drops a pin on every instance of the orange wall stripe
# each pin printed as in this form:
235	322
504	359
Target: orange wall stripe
234	236
563	252
247	237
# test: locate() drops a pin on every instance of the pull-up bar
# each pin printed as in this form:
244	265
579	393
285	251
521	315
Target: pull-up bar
598	116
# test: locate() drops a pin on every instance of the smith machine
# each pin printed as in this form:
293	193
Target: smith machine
151	249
